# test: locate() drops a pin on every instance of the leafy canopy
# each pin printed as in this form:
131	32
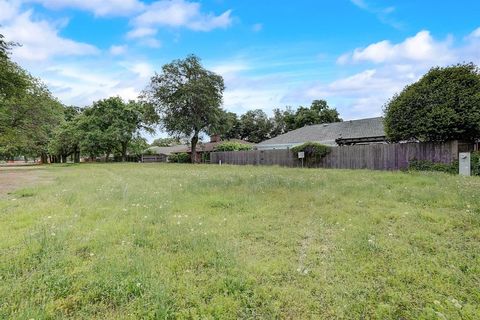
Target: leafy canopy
443	105
233	146
188	98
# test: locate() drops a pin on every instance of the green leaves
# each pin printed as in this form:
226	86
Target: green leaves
233	146
443	105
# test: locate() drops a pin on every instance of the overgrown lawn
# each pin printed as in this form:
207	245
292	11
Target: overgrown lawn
230	242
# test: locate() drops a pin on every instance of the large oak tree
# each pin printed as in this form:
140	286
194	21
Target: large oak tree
187	97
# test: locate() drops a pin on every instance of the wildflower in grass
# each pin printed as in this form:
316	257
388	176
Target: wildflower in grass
92	254
52	234
456	303
14	199
49	217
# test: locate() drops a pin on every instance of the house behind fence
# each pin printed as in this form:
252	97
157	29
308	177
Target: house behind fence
373	156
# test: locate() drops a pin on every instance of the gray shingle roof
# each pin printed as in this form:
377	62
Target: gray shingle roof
328	133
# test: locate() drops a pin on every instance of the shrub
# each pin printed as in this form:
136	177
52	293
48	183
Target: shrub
233	146
181	157
314	152
475	163
425	165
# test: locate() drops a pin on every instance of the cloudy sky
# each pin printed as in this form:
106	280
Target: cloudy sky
354	53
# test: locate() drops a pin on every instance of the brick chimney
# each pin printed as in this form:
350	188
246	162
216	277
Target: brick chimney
215	138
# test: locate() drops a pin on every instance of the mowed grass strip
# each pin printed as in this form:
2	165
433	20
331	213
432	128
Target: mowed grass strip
129	241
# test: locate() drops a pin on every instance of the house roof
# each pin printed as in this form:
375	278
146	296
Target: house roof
327	133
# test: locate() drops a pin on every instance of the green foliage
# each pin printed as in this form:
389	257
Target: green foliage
181	157
28	118
187	97
137	146
165	142
111	124
443	105
255	126
314	152
289	119
425	165
475	163
233	146
228	126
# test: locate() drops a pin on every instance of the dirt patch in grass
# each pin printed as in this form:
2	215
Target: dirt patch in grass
15	178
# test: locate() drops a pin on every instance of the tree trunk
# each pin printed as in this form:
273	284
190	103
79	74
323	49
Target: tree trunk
124	151
43	158
107	156
193	155
76	156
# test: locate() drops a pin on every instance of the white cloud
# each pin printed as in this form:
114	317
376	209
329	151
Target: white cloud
384	14
141	32
82	83
421	47
181	13
475	33
97	7
118	50
39	39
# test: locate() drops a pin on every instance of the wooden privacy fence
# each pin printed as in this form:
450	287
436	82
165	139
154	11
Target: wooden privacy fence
375	156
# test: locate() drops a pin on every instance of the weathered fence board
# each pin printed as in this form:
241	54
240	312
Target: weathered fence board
375	156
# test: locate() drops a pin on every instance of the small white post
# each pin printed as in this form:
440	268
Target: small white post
464	164
220	162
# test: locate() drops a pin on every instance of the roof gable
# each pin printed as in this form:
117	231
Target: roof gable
329	132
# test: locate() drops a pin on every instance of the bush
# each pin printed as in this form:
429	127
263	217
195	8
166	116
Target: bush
475	163
233	146
314	152
181	157
425	165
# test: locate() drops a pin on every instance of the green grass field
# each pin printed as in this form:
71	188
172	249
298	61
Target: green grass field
130	241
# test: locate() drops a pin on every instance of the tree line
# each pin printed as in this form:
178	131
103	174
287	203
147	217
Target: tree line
185	100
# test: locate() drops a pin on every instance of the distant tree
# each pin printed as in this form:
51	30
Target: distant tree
281	121
228	126
13	79
137	146
111	124
255	126
66	139
443	105
165	142
28	119
188	98
319	112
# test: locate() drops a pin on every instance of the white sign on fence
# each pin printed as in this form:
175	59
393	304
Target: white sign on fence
301	155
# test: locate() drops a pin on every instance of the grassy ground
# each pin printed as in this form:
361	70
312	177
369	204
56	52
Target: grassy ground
228	242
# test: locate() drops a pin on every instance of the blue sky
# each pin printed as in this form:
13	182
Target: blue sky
354	53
